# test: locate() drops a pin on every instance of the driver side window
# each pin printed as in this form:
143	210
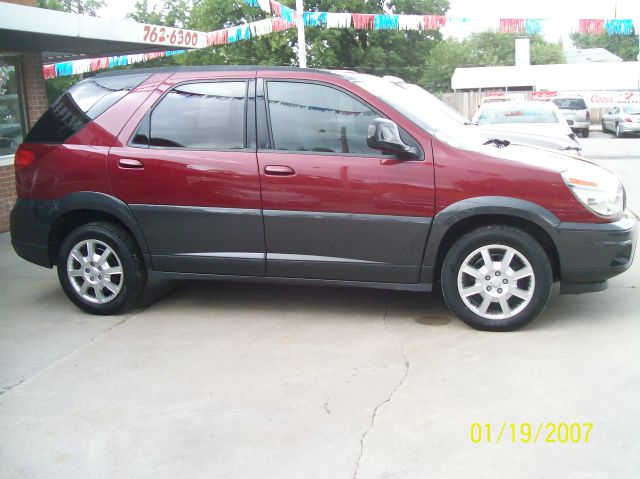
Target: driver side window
318	118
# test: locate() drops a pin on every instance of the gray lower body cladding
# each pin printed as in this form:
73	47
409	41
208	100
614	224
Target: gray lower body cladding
317	248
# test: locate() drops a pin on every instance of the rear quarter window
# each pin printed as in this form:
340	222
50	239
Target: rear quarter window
82	103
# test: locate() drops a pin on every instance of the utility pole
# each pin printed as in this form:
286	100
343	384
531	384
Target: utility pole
302	43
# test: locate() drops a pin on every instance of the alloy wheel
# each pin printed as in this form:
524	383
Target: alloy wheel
496	281
95	271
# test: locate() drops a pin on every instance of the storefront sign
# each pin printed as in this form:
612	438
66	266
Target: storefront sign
174	37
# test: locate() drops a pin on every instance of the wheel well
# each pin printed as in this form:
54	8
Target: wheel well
73	219
468	224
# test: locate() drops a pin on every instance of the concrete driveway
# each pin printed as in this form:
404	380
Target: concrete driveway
251	381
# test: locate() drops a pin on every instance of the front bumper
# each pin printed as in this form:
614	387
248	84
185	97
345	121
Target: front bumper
590	254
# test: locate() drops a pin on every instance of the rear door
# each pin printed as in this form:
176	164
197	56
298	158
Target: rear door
333	207
188	172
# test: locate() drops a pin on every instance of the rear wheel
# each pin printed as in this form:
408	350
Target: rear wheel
585	133
619	133
496	278
100	268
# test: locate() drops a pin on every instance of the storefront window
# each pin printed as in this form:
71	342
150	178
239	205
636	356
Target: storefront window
11	110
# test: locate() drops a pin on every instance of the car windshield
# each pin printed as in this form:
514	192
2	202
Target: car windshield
505	113
570	103
422	108
632	109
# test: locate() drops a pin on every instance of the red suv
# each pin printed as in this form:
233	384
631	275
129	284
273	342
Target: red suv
306	176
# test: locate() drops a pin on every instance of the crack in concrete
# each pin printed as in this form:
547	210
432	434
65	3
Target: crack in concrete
326	406
88	343
68	355
9	388
388	399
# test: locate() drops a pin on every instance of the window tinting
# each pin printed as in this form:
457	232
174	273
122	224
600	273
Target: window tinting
200	115
79	105
310	117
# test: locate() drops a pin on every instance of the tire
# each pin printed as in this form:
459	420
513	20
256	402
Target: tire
619	133
585	133
111	283
525	295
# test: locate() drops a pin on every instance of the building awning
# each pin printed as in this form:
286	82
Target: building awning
67	36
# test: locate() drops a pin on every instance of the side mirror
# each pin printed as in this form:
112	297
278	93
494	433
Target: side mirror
570	122
384	135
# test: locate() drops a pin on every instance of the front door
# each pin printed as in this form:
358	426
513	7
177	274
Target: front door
192	182
333	207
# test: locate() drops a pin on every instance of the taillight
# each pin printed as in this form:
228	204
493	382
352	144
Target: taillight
588	115
23	158
628	119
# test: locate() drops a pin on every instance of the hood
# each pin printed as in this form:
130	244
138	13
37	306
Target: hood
542	135
544	158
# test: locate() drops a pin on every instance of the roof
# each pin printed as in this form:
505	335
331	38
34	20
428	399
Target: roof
587	55
206	68
576	76
61	35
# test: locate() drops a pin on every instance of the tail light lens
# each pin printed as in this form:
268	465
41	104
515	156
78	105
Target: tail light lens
628	119
23	158
588	115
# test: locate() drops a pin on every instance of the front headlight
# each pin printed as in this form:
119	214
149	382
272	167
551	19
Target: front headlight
598	189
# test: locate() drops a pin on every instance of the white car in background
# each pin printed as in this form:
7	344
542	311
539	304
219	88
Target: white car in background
622	119
576	113
533	123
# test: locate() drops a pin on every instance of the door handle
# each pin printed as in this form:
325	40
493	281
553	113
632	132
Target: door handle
277	170
130	164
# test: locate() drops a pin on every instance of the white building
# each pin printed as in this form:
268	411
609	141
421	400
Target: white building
611	76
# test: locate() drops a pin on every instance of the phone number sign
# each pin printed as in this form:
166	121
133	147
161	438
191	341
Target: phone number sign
174	37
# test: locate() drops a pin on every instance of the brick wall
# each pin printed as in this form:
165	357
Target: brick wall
36	103
34	88
7	195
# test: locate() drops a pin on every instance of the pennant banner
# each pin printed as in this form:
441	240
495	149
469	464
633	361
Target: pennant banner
284	18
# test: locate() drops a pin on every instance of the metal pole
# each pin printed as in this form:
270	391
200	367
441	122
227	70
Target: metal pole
302	44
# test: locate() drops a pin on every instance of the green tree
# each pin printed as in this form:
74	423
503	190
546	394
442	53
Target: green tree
625	46
82	7
390	52
482	49
442	62
172	13
209	15
382	52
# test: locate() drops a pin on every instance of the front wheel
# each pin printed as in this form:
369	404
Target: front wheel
496	278
101	269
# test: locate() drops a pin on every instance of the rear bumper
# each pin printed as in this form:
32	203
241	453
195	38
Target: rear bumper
629	127
590	254
581	125
31	222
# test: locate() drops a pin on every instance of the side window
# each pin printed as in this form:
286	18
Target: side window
200	115
311	117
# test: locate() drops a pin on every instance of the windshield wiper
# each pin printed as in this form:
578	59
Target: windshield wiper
497	142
